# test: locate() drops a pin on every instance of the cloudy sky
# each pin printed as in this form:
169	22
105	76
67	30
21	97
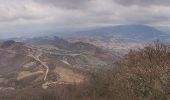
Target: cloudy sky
28	17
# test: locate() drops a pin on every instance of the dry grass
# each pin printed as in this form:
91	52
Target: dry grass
30	64
68	75
25	74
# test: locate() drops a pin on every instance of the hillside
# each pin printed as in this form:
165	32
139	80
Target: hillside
24	65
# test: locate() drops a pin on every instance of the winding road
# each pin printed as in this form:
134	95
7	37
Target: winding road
37	58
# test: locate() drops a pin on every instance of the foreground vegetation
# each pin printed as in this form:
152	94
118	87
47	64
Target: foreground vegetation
141	75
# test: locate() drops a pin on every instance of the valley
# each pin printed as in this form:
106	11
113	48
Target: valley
104	64
47	65
47	61
120	38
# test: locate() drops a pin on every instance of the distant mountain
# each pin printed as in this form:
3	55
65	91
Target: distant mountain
131	32
121	37
7	43
56	41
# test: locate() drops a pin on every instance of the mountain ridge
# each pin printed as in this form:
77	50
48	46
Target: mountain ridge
120	38
140	32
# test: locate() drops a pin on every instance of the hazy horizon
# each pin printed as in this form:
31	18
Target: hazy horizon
44	17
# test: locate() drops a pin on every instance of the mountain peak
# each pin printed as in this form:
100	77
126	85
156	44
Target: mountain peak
7	43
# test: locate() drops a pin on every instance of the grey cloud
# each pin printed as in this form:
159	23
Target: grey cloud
38	16
143	2
70	4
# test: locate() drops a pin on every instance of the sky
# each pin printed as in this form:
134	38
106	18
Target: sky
35	17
